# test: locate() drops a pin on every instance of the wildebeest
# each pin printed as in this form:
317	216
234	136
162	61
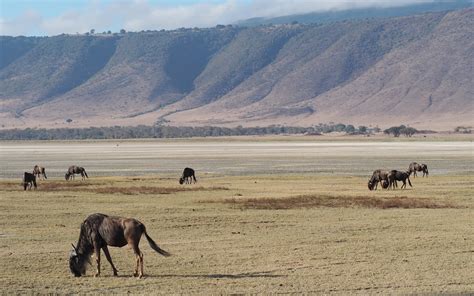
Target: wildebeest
188	176
29	180
99	231
395	176
377	176
416	167
75	170
39	172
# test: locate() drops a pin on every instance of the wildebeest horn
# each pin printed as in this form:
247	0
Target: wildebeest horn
73	247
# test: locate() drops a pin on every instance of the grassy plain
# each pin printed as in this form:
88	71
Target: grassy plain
280	221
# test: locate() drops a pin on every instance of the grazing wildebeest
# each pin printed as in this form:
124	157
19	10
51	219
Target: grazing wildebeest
395	176
39	172
377	176
99	231
29	180
416	167
75	170
188	176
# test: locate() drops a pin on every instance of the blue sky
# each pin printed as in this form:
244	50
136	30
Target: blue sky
53	17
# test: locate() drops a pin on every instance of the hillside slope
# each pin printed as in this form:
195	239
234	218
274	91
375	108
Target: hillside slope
415	70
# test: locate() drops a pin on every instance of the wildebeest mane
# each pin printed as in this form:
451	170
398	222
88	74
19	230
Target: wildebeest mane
85	245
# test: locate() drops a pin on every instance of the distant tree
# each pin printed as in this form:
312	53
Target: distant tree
362	129
463	129
294	22
394	130
109	32
69	120
349	129
339	127
409	131
92	31
122	31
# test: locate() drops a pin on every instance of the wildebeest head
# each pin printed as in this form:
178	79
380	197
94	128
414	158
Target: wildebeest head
385	184
370	185
425	169
77	263
66	176
181	180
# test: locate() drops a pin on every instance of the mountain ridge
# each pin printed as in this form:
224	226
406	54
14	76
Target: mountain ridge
412	69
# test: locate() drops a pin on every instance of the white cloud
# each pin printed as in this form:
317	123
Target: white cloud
135	15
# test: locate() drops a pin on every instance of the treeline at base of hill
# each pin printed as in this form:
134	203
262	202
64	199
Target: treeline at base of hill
162	131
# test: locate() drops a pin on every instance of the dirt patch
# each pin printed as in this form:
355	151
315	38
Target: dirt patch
316	201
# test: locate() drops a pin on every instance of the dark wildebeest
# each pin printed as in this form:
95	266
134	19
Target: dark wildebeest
29	180
99	231
188	176
75	170
377	176
416	167
395	176
39	172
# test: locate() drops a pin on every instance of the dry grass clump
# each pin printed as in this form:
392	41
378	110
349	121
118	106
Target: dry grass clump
316	201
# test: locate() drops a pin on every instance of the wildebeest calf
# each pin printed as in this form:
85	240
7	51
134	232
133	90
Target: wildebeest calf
29	180
187	176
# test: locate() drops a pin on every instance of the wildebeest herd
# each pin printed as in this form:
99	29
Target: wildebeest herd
388	179
98	231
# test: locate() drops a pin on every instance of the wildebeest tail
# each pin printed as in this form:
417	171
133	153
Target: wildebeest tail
85	173
194	177
153	245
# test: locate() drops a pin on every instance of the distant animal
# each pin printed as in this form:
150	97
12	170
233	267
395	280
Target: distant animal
377	176
73	170
395	176
99	231
39	172
416	167
29	180
187	176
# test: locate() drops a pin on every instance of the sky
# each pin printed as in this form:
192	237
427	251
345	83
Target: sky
54	17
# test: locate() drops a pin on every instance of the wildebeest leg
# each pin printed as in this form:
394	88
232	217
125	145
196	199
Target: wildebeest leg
404	184
139	258
107	255
97	259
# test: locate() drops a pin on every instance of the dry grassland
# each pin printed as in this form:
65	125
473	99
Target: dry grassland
294	232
